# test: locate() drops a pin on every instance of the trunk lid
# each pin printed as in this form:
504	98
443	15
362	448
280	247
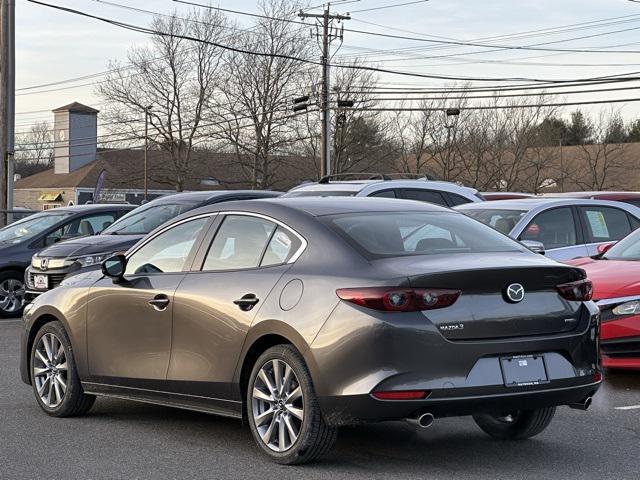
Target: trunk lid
484	310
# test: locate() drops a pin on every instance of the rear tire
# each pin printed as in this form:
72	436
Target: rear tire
516	425
282	404
54	377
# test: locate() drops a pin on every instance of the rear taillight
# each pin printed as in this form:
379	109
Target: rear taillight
580	291
401	394
390	299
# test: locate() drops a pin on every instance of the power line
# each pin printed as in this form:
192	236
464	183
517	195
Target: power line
494	107
293	58
388	6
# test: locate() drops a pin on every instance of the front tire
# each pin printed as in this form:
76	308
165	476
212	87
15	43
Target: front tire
12	293
516	425
283	411
54	376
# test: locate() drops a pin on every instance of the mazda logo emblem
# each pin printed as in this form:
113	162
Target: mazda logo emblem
515	293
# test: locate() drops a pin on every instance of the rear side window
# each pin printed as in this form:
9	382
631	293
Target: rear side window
282	246
430	196
240	242
384	194
605	223
456	199
554	228
393	234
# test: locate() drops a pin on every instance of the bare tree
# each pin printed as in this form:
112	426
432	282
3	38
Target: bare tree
177	78
257	92
600	165
34	149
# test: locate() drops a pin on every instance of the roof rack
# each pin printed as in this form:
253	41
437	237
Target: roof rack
374	176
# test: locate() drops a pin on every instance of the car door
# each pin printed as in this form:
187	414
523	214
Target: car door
603	224
557	229
238	265
129	322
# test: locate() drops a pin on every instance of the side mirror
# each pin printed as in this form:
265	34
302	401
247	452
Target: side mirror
536	247
115	267
605	247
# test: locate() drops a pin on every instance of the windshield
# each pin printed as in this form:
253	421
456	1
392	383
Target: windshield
626	249
502	220
145	219
31	226
392	234
320	193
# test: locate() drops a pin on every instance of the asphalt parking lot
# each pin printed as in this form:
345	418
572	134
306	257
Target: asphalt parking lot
120	439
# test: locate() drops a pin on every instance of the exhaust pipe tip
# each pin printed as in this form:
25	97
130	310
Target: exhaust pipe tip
583	405
423	421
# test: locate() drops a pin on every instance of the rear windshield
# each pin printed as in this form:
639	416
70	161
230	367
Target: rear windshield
144	219
320	193
502	220
392	234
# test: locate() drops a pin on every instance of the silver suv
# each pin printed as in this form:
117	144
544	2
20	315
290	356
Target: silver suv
441	193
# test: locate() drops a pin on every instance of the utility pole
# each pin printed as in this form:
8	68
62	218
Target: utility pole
325	21
7	105
146	150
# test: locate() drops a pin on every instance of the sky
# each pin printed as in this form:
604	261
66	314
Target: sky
52	45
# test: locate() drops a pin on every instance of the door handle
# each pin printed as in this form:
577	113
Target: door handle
159	302
247	302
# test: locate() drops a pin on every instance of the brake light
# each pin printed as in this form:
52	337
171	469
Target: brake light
390	299
401	395
580	291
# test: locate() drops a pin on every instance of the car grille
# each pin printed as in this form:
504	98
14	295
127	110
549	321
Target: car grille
623	347
55	279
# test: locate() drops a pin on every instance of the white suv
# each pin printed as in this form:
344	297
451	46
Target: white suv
432	191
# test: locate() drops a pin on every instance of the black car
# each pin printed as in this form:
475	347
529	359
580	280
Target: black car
50	266
20	240
305	314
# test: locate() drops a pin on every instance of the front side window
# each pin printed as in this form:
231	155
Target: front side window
605	224
168	252
555	228
30	227
240	243
393	234
147	218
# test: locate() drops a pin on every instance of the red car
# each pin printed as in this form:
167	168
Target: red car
615	273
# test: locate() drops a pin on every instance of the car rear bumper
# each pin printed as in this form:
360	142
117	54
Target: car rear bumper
356	409
358	352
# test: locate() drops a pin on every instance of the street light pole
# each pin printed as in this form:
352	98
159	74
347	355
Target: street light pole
146	151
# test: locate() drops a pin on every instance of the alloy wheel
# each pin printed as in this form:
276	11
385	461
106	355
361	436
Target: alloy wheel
50	370
11	295
277	405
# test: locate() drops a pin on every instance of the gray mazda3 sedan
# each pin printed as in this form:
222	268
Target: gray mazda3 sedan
305	314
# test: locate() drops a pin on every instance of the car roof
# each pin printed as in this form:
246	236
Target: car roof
596	194
358	185
321	206
531	203
212	195
96	207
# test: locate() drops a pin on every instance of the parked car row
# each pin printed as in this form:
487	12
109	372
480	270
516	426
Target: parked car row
303	313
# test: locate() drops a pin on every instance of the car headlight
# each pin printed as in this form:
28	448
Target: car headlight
90	260
627	308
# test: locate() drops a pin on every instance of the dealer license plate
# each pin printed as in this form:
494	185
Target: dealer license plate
523	370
